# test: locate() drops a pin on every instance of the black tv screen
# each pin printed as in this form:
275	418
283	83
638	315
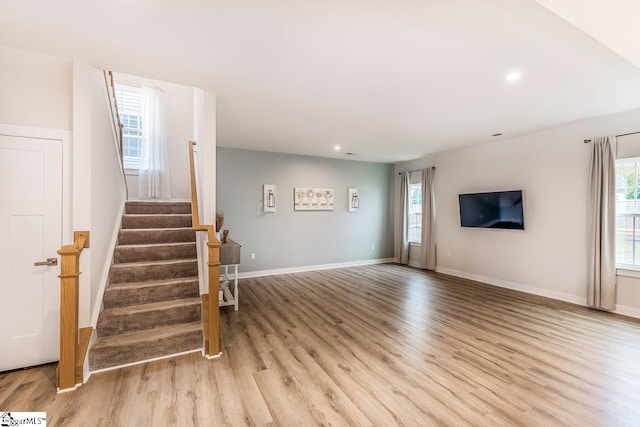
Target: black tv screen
500	209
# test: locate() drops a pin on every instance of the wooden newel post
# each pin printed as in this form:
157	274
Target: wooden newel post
67	373
69	288
214	302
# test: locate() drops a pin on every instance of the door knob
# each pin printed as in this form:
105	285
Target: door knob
48	262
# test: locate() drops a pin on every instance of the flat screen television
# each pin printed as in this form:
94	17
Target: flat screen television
500	209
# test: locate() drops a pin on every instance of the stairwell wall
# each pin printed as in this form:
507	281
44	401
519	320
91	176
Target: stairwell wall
107	190
98	186
179	118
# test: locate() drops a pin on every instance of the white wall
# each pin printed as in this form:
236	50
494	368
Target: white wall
81	172
178	105
107	191
549	256
35	89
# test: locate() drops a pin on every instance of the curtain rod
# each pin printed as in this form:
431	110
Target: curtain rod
617	136
417	170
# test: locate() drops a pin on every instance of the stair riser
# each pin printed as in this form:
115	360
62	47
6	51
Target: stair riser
117	355
155	221
154	253
147	237
153	272
123	297
125	323
157	208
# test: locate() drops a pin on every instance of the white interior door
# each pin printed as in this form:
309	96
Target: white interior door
30	231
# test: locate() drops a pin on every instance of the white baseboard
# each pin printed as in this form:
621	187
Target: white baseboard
104	277
86	370
561	296
67	390
215	356
515	286
625	310
302	269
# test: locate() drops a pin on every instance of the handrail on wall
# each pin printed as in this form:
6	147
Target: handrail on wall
74	342
116	122
210	302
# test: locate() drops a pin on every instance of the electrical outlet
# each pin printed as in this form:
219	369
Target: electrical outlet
253	256
449	253
373	247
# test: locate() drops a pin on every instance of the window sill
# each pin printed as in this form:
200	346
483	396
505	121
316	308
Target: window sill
131	172
628	271
417	244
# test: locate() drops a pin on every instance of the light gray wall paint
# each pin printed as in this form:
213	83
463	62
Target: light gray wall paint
289	238
552	167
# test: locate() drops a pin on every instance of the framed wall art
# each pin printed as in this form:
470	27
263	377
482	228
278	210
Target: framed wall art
313	199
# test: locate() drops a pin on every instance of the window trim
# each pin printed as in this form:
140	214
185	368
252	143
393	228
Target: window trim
626	270
622	269
131	163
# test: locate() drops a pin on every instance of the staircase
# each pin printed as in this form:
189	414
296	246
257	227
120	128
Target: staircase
151	306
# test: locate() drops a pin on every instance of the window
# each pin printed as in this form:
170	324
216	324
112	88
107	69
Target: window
628	212
129	101
415	213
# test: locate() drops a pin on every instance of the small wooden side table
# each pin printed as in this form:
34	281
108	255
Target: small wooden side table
229	257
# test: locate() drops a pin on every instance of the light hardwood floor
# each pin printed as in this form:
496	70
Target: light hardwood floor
377	345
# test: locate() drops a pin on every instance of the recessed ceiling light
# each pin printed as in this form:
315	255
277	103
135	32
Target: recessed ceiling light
513	76
336	147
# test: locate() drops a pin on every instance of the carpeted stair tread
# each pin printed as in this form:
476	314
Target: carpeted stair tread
151	305
121	320
154	207
155	221
159	282
154	245
152	270
154	252
132	293
134	236
133	347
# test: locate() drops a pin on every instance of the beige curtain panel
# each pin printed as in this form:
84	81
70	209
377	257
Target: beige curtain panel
428	239
601	292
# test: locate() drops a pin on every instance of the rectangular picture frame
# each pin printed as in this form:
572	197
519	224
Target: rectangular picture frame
313	199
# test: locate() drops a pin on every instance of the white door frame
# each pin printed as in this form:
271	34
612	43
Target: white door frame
56	135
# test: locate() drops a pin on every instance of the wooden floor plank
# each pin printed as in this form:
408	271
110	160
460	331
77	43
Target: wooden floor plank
374	345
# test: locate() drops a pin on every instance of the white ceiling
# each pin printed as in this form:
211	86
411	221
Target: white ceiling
390	80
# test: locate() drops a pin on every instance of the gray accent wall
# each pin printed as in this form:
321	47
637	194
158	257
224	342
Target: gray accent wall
288	238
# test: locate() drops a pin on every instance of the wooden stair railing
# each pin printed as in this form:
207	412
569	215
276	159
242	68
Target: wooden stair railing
210	302
74	342
116	122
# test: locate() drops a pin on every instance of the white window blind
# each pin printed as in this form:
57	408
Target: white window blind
129	101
